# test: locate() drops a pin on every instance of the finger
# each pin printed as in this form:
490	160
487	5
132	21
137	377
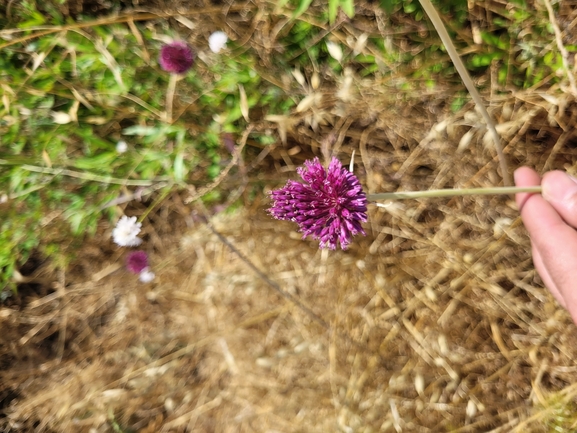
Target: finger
547	280
556	243
525	176
560	190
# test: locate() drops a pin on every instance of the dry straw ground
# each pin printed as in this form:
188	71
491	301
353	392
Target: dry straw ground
435	321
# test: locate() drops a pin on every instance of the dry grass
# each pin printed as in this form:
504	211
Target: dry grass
437	320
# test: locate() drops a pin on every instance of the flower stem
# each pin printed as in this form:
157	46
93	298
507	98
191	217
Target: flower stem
451	192
170	97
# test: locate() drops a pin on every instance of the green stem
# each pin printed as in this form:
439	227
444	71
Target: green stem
452	192
170	97
85	175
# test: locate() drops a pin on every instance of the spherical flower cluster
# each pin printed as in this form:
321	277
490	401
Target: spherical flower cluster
137	263
146	276
126	232
176	57
121	146
329	206
217	41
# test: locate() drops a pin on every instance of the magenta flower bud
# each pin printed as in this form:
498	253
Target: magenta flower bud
176	57
137	261
329	206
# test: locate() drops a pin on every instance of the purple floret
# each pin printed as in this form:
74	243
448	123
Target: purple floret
137	261
329	206
176	57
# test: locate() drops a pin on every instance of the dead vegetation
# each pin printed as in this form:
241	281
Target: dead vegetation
435	321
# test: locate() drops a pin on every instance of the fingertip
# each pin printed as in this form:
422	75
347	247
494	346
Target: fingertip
558	182
525	176
560	190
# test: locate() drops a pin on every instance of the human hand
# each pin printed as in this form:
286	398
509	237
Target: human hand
551	219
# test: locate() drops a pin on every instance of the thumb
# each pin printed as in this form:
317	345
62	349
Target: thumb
560	190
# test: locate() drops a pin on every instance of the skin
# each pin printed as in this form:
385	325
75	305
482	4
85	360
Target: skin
551	220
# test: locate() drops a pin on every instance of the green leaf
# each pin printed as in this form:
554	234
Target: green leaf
409	8
100	162
302	8
75	220
179	168
333	9
348	7
141	130
388	6
36	19
480	60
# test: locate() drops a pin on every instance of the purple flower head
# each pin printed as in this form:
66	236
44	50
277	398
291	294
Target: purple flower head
176	57
137	261
329	206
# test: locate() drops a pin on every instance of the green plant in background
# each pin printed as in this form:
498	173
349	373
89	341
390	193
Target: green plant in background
518	40
562	417
68	99
521	43
301	6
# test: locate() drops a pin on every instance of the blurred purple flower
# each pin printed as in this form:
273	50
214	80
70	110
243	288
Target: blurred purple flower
176	57
137	261
329	206
228	140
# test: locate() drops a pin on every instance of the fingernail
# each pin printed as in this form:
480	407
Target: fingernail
559	187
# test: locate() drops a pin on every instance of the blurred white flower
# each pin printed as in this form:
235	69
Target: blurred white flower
126	231
335	51
60	117
25	111
121	146
360	44
217	41
146	276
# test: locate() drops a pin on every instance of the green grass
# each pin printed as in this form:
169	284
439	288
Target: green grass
69	97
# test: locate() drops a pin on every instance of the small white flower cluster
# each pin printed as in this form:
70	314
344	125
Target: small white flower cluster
121	146
125	234
217	41
146	276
